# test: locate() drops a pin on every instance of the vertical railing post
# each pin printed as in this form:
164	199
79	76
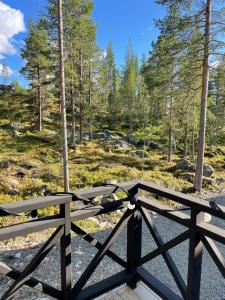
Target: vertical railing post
195	258
65	249
134	242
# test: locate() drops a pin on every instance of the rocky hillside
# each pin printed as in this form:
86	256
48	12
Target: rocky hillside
30	164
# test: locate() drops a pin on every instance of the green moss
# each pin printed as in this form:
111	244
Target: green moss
91	164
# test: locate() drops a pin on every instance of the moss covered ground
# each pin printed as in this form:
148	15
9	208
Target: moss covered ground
30	165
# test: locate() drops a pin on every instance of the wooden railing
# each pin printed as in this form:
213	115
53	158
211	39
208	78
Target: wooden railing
199	233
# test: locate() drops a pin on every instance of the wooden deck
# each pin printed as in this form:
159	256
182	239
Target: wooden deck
142	292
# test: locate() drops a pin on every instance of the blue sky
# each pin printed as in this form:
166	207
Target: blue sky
117	21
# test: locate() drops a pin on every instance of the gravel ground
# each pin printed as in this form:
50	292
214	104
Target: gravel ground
212	287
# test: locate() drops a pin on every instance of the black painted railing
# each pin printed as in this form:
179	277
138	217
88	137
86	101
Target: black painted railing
137	210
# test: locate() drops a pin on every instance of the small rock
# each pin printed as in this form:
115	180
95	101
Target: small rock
5	164
79	252
20	174
13	192
220	180
207	170
111	181
92	219
105	199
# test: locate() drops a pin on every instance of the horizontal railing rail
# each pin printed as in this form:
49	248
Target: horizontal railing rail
138	203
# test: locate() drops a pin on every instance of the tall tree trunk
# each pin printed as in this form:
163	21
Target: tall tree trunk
90	103
130	104
186	140
63	98
205	86
193	144
73	141
170	152
111	114
39	101
215	127
81	98
81	122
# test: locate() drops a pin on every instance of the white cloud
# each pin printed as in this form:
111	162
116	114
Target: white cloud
11	23
10	71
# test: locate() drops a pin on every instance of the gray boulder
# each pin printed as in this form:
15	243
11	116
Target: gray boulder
105	199
154	146
99	135
13	192
150	145
207	170
122	144
184	165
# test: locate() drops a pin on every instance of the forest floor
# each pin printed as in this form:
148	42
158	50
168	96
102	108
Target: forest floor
31	165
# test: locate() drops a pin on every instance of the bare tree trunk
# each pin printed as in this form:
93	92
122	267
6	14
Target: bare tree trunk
39	101
193	144
205	84
170	152
186	140
90	103
112	116
215	128
81	99
63	98
130	105
73	120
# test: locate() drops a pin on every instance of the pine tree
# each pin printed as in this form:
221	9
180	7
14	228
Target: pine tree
108	72
80	47
129	85
204	96
37	68
204	19
63	98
